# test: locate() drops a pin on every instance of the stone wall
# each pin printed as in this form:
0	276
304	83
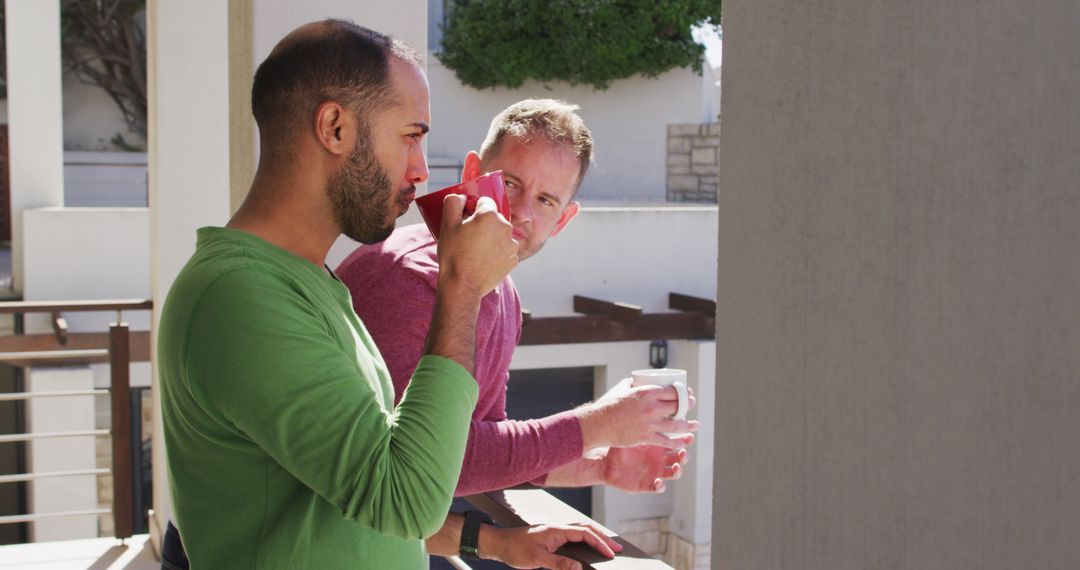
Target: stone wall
652	536
693	167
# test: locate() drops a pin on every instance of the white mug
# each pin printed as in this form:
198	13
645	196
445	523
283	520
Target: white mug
666	377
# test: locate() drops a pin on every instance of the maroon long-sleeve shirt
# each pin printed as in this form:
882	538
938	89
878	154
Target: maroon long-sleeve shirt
393	292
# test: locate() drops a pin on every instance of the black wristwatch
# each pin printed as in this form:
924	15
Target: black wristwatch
470	534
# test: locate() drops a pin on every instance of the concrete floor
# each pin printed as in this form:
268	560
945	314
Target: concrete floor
95	553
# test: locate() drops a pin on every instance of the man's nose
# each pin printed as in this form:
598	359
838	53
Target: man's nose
520	209
418	169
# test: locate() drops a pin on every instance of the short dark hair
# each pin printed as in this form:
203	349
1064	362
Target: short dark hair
340	62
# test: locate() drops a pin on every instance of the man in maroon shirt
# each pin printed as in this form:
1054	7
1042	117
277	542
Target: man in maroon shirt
544	150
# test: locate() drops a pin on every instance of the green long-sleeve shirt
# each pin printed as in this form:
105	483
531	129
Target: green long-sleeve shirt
285	450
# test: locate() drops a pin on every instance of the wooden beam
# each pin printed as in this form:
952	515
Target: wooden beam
529	506
680	302
622	312
650	326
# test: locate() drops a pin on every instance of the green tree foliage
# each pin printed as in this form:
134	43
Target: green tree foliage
103	43
492	43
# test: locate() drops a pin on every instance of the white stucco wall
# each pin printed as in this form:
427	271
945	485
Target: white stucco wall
628	121
105	179
275	18
633	255
85	254
35	129
45	455
91	118
78	254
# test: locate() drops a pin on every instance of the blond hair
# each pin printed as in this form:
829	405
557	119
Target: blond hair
554	120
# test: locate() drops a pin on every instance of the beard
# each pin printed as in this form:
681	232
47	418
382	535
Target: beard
360	196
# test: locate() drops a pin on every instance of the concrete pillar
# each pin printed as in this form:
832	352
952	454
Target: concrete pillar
35	118
243	134
690	524
188	82
898	318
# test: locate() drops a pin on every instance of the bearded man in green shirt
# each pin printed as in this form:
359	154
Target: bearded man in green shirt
285	449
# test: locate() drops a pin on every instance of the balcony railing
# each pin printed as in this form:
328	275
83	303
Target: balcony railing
602	322
119	347
598	321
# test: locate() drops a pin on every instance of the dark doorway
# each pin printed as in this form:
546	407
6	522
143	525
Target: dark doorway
5	187
546	391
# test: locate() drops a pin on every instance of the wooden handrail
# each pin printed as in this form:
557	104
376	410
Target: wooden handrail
529	505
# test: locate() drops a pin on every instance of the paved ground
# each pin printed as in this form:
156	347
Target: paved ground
96	553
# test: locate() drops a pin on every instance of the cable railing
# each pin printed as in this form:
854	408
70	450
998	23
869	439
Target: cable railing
118	347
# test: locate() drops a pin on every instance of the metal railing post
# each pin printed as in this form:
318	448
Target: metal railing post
120	371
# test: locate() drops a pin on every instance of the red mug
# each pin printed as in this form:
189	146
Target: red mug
490	185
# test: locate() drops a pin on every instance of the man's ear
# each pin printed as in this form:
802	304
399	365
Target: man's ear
472	167
335	128
568	214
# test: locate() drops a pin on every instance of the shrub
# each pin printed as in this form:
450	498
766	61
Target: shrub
490	43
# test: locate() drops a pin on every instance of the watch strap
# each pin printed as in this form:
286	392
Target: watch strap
470	534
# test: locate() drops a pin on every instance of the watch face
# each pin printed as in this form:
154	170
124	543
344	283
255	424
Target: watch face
470	553
470	534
